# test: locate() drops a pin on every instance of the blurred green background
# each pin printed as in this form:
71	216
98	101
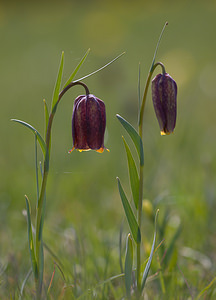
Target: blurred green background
82	193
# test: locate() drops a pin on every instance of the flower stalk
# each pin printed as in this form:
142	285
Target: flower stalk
40	206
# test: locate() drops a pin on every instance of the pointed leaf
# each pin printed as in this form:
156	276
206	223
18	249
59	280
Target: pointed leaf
39	137
170	249
58	84
30	240
134	136
134	179
130	215
46	114
109	63
77	68
147	268
128	265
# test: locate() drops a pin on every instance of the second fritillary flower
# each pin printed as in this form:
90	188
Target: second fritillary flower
164	95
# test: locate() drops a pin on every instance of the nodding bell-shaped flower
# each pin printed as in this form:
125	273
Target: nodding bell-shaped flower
88	123
164	95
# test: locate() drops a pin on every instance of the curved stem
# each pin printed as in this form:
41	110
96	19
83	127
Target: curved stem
141	169
41	200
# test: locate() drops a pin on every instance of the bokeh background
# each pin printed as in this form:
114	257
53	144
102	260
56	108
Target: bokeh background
82	195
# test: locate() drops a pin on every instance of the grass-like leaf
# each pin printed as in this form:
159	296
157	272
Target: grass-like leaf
39	137
135	230
128	265
106	65
134	136
205	290
46	114
147	268
24	283
170	248
77	68
58	84
30	240
134	179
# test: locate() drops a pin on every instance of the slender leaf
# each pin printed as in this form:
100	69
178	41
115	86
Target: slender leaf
128	265
30	240
135	230
58	84
36	168
77	68
24	283
46	114
147	268
204	291
139	91
109	63
134	136
170	249
134	179
39	137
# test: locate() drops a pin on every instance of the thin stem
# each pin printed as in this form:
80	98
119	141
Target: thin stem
41	199
141	167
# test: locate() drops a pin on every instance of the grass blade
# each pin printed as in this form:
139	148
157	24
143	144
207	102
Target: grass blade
170	249
128	265
30	240
77	68
24	283
58	83
129	214
133	174
39	137
134	136
206	288
147	268
46	114
106	65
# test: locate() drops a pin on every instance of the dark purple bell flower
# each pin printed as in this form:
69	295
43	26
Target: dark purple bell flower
164	95
88	123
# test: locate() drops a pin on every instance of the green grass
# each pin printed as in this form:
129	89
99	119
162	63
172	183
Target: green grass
84	211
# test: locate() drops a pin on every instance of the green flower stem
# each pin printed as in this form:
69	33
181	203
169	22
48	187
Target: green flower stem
141	169
41	200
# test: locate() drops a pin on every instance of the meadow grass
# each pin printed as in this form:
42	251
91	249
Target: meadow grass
84	214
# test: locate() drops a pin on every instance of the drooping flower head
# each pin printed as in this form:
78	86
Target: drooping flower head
164	95
88	123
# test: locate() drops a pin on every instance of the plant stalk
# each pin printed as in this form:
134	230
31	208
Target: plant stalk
40	204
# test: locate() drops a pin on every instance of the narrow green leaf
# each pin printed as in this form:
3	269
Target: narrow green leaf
58	83
170	248
128	265
129	214
206	289
77	68
134	179
139	90
147	268
134	136
39	137
46	114
24	283
109	63
36	168
30	240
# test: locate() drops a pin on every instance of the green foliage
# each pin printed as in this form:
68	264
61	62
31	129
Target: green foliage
30	240
129	214
128	265
134	136
134	178
58	84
